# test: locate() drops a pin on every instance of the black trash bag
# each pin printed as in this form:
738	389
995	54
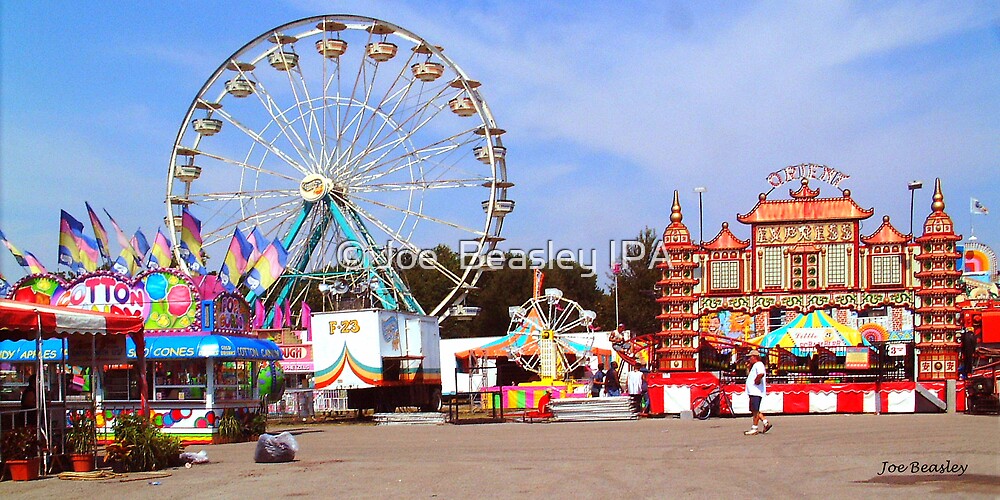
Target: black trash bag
273	449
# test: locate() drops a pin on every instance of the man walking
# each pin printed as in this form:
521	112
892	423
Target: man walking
756	387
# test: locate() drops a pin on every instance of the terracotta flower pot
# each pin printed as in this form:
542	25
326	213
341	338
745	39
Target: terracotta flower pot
23	470
82	462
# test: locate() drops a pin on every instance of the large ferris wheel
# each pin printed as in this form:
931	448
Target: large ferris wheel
350	140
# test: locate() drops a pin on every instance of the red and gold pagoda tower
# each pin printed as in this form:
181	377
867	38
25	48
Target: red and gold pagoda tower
939	287
677	341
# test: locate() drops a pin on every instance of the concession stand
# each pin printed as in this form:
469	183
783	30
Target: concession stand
203	357
36	336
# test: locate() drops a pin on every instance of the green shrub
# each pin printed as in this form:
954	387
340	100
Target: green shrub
81	437
230	428
148	447
20	443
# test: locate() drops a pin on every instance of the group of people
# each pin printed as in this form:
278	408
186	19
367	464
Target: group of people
608	383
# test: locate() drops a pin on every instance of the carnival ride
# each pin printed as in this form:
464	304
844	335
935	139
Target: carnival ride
356	143
545	323
982	355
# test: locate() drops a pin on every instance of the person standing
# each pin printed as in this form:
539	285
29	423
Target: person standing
29	402
633	382
597	381
756	387
612	385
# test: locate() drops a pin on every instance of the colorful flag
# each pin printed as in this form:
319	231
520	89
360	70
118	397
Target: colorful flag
103	245
305	319
25	259
259	243
235	263
69	249
159	255
190	249
278	318
123	241
89	254
124	264
288	313
87	251
139	243
978	208
258	314
268	268
537	286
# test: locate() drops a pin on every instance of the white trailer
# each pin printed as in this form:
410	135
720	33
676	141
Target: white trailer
384	359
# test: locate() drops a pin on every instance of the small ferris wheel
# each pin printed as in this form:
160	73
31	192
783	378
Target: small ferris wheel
547	323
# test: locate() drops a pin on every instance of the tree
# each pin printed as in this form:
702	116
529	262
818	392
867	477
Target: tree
637	306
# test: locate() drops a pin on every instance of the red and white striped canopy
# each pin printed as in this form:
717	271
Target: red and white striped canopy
20	320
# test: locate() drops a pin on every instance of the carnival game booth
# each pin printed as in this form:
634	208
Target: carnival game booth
815	365
36	339
806	259
673	393
203	357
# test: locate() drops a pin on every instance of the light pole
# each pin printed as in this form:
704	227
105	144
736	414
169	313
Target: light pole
701	219
616	269
913	186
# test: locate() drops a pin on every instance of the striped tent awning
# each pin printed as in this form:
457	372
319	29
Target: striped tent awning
816	328
21	321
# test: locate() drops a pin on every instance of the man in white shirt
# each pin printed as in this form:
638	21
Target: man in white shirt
634	385
756	387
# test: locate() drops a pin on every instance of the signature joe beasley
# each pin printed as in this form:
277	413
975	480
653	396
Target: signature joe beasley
916	467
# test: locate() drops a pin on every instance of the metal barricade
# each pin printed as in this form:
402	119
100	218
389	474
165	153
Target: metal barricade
330	400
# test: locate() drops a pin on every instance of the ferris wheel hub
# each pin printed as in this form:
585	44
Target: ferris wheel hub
314	187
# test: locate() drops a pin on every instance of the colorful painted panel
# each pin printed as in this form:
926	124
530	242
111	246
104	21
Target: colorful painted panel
232	314
166	298
38	289
173	300
191	426
732	324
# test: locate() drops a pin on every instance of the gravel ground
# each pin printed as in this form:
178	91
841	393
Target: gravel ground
802	456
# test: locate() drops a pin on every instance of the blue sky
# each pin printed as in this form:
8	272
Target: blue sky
608	107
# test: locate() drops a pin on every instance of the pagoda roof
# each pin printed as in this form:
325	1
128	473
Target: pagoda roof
726	240
938	225
805	206
676	235
885	233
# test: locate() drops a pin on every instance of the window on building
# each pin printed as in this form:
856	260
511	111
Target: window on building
775	319
836	265
772	266
887	270
873	312
725	275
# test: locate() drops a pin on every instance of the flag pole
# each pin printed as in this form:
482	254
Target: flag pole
972	226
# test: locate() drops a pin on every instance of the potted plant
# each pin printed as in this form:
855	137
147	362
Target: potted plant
20	448
81	440
255	425
141	446
230	430
118	455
